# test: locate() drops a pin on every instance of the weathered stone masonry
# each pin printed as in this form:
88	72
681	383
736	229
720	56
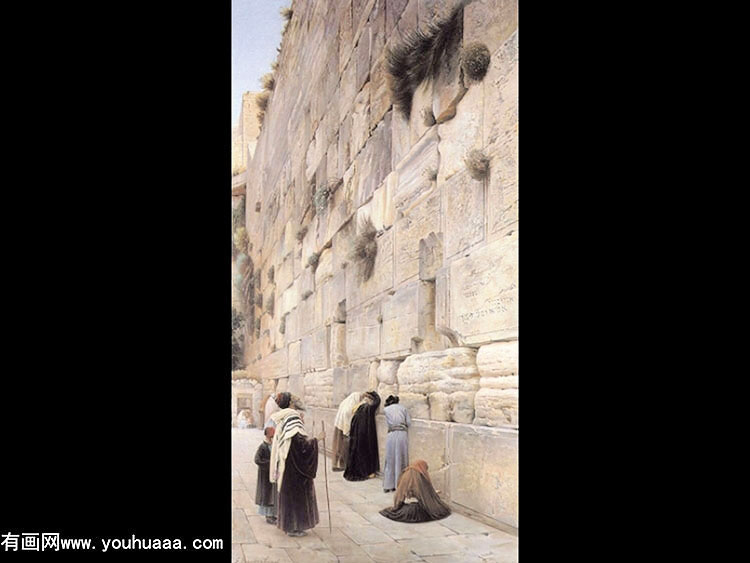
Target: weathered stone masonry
437	321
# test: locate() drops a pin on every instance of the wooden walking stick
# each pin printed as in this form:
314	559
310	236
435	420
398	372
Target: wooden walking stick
325	473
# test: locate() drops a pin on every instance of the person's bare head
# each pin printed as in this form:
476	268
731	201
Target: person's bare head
269	432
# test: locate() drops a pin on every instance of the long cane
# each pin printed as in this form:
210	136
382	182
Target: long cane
325	473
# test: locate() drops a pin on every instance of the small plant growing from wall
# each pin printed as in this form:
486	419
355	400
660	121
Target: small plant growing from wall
475	60
261	100
270	304
478	164
268	81
301	233
313	260
282	325
419	55
238	339
259	299
306	294
238	214
287	13
241	239
257	207
365	249
271	273
257	328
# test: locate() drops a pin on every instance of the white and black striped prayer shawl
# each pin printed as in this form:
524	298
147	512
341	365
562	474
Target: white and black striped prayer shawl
288	424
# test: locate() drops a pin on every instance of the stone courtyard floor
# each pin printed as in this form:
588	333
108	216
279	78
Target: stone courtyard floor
359	532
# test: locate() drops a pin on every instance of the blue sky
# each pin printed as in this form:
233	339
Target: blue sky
256	32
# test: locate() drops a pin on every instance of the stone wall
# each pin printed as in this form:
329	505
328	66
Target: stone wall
436	322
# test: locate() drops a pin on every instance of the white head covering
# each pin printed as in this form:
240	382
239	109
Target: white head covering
288	424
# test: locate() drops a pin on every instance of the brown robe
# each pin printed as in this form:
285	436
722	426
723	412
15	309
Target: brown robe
415	482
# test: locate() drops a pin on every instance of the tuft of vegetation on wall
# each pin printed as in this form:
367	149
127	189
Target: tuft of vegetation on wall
313	260
301	233
241	239
478	164
475	60
365	249
418	57
271	272
268	81
238	339
270	303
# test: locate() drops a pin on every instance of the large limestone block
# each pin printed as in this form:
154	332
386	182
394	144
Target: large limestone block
464	213
363	332
384	390
412	226
448	378
359	376
324	271
340	385
408	321
282	385
358	290
387	370
375	161
461	134
293	351
292	332
289	299
496	407
274	365
360	116
314	351
416	403
309	316
427	441
483	293
414	170
334	298
348	90
498	359
380	96
338	345
372	377
439	406
501	138
269	386
483	471
296	385
490	21
319	388
342	245
430	256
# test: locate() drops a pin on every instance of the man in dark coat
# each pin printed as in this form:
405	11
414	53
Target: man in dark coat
265	491
294	464
363	461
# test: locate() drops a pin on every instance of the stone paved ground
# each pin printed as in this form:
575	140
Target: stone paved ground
359	533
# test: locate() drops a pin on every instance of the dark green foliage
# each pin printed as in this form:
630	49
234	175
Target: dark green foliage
365	249
238	338
475	60
287	13
419	55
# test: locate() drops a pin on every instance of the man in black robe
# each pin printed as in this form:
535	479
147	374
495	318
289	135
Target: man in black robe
363	461
294	462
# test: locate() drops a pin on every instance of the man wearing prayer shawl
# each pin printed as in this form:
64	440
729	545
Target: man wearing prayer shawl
363	461
415	483
294	464
341	426
396	444
273	405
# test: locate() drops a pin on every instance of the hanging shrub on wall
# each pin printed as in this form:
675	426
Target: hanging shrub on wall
478	164
241	240
238	214
475	60
238	340
313	260
365	249
268	81
417	58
